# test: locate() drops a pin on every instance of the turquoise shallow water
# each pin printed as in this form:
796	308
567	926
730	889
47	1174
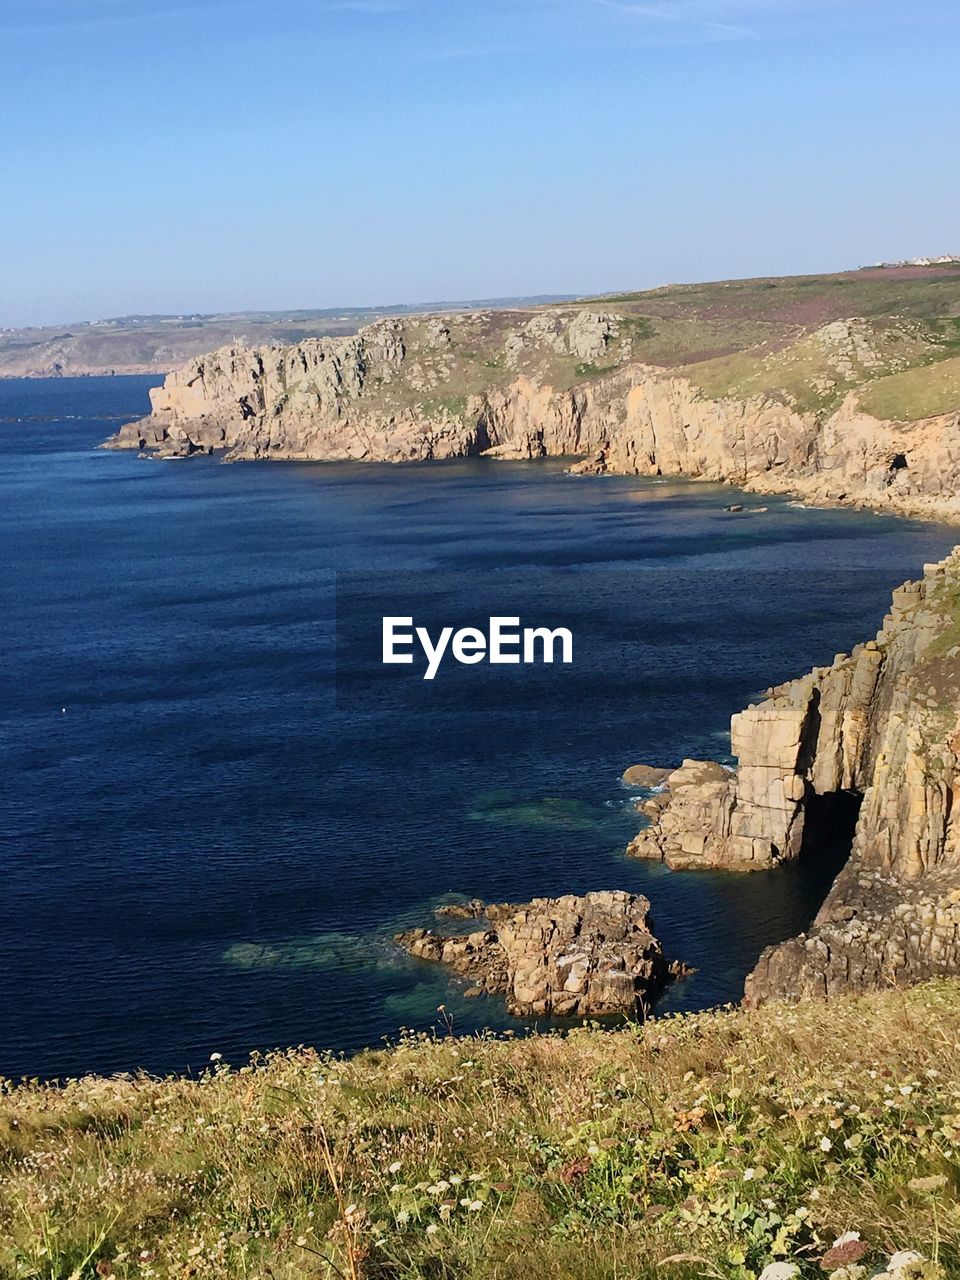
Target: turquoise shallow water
217	806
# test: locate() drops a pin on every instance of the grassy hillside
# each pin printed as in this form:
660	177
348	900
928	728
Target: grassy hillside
811	339
711	1145
891	333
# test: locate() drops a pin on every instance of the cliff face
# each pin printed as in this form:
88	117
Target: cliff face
882	723
558	383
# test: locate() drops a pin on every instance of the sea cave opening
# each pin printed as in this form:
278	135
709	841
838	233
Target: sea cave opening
830	823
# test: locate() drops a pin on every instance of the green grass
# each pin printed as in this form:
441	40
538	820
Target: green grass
454	406
916	393
903	364
700	1146
845	294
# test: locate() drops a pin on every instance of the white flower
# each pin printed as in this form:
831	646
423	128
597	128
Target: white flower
900	1261
906	1090
749	1175
432	1229
215	1057
780	1271
395	1167
301	1241
848	1237
455	1179
475	1206
403	1217
826	1144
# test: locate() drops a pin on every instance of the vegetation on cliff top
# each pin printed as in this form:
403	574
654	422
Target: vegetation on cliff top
713	1145
893	334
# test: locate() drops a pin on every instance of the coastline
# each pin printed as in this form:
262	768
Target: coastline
378	396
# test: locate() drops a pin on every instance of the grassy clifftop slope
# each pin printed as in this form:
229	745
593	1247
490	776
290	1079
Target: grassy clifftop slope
793	335
716	1145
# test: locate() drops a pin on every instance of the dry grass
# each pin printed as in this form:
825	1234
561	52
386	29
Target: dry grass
700	1146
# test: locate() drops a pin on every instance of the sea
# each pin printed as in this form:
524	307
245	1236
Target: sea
219	806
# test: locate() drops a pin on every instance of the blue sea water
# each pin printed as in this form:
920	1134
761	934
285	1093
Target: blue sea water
217	806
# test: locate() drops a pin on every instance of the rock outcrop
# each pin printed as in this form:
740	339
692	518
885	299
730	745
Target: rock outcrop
570	956
415	389
881	725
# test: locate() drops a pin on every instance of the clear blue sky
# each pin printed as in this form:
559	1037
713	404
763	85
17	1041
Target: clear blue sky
175	155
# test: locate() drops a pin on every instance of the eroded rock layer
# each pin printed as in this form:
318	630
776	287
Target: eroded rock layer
569	956
523	386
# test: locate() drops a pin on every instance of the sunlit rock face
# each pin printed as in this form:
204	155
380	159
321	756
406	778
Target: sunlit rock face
510	385
570	956
882	723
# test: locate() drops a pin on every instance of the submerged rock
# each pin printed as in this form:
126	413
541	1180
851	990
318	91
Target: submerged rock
570	956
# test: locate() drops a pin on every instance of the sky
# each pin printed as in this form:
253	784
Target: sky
208	155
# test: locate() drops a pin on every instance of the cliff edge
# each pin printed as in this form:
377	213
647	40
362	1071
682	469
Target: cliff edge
577	381
868	745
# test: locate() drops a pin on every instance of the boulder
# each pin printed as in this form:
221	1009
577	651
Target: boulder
645	775
570	956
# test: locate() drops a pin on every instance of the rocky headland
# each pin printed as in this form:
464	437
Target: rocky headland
870	746
852	410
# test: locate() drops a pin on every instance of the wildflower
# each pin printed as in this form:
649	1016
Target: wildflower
395	1167
215	1057
902	1260
749	1175
301	1241
848	1248
432	1228
826	1144
780	1271
575	1170
474	1206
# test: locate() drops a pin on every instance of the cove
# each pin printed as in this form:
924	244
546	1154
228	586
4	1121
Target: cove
210	847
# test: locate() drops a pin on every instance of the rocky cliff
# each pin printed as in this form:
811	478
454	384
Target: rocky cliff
557	382
875	736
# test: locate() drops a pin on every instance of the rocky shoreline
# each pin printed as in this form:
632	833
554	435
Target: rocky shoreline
865	751
870	744
403	390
